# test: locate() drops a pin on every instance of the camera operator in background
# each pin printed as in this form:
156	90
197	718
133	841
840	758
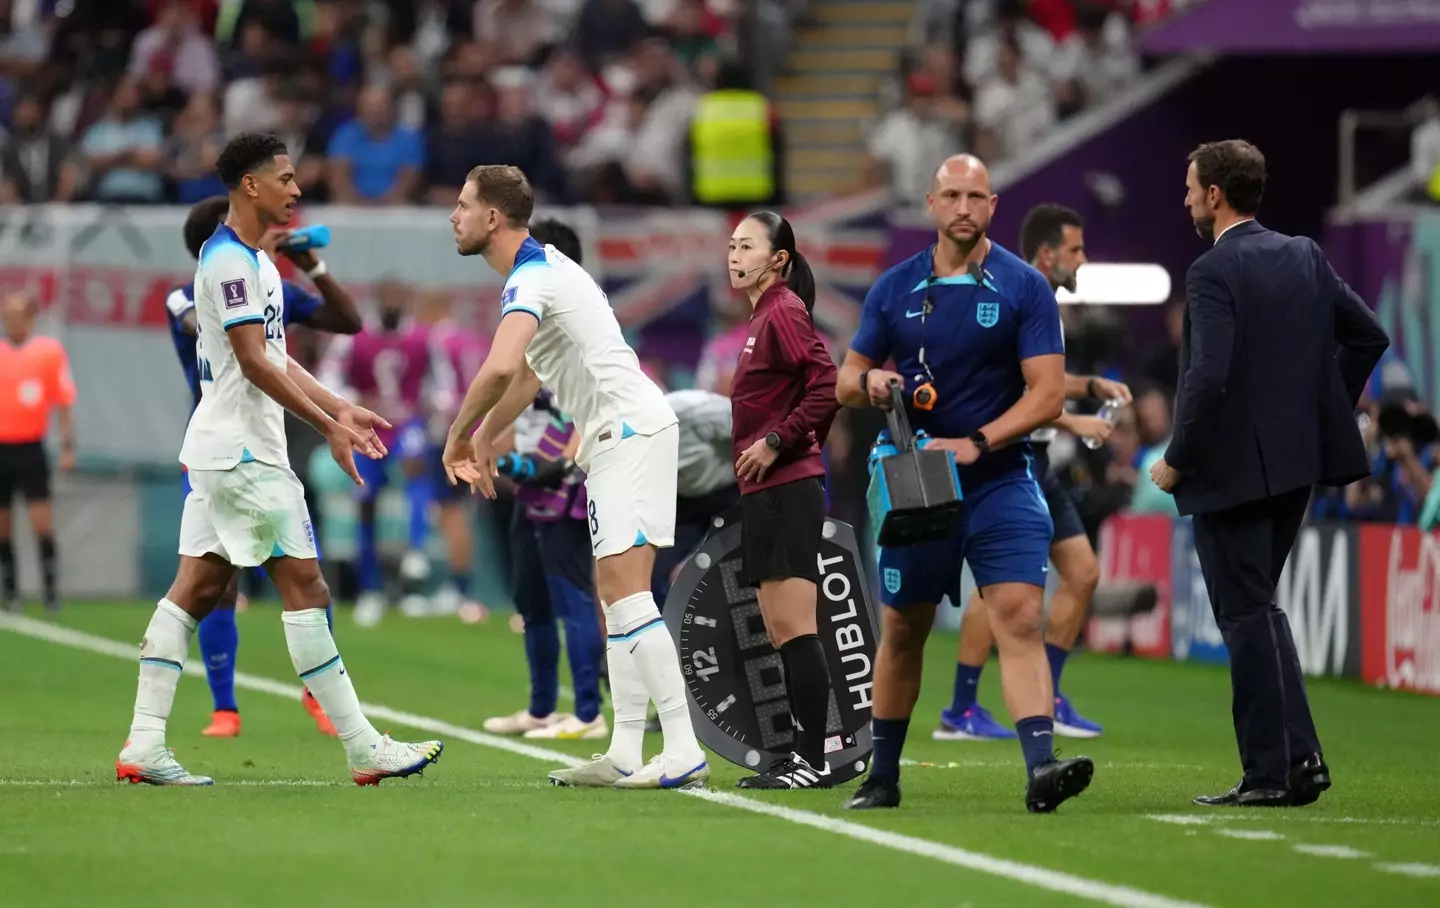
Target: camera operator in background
1402	478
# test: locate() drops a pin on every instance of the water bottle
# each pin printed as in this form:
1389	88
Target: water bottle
315	236
1107	413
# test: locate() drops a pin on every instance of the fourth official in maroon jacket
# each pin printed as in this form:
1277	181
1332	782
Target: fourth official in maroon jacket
782	403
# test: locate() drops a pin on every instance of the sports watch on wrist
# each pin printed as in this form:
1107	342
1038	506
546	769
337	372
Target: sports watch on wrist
772	441
980	441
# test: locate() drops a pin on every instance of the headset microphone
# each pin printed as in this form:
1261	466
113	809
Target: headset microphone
743	274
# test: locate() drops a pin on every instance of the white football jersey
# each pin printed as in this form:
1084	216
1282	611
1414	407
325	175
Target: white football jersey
236	421
579	353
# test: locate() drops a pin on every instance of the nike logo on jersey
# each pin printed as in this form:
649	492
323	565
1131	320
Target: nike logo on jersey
916	314
270	292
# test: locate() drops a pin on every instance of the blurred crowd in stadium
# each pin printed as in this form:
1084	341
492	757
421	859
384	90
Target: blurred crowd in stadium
391	102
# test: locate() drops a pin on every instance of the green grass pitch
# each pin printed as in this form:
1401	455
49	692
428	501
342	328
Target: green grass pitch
283	825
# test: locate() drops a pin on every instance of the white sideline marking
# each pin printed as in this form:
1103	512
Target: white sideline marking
1039	877
1253	835
1011	764
1290	816
1332	851
1182	819
1420	870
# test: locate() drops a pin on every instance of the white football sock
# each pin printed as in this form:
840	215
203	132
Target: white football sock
317	662
162	660
628	700
637	621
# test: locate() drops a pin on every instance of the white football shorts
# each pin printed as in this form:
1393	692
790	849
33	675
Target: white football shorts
247	515
631	488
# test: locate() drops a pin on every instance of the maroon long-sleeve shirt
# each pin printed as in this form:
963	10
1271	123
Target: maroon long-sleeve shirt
784	383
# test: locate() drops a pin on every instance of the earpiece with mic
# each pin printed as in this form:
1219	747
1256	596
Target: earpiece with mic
743	274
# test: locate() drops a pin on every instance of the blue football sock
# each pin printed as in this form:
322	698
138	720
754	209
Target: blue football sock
1037	740
542	651
461	581
583	643
967	687
418	494
219	641
1057	656
367	559
889	737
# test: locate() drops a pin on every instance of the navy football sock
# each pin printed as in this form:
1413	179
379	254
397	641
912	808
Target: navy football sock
967	686
418	493
1057	656
1037	740
219	642
367	558
542	651
461	581
889	737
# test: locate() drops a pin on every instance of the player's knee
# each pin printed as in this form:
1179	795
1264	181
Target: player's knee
900	634
230	595
1019	616
1084	576
307	592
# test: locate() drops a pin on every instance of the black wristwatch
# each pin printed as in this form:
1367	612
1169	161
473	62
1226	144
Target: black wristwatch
773	441
979	440
865	385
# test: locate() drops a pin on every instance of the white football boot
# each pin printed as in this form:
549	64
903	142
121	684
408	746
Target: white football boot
158	767
665	771
395	760
600	772
520	723
571	728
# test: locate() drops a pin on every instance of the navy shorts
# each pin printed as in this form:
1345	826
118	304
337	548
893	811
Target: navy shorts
1004	535
1063	513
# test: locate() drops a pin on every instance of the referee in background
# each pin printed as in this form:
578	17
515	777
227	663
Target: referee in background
782	405
34	379
705	486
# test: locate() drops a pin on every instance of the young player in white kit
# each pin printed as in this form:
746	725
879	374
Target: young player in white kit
246	506
557	328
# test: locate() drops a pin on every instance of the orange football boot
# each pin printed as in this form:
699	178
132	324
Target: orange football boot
224	723
322	721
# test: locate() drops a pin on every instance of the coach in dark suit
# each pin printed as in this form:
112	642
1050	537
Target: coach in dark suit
1275	352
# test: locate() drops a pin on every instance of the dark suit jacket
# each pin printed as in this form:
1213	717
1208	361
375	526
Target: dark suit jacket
1275	354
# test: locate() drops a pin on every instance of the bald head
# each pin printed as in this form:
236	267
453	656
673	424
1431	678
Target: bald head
965	167
17	311
961	201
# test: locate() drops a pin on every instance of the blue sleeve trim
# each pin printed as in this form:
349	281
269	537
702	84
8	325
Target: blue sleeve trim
243	320
516	307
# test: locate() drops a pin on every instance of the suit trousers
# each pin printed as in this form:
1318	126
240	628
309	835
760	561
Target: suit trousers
1242	550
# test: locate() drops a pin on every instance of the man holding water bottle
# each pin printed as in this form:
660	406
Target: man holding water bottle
974	334
1051	239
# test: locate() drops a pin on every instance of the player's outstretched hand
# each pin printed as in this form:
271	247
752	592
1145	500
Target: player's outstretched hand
366	424
344	442
471	461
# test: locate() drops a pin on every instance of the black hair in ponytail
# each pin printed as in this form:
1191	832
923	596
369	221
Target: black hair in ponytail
797	273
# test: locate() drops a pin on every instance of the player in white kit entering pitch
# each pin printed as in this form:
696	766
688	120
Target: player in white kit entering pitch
246	506
557	330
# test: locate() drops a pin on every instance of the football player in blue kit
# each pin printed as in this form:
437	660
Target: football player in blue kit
333	311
